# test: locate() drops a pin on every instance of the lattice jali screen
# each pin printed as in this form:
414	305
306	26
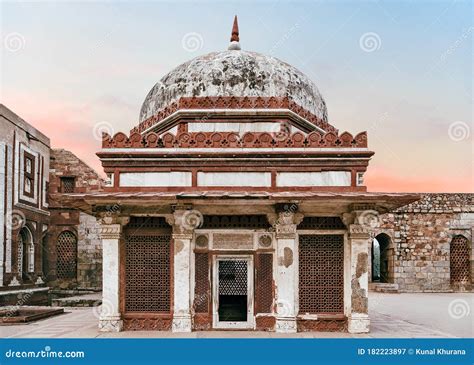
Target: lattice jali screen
68	184
235	221
147	273
264	283
321	223
459	261
66	249
321	273
202	287
233	277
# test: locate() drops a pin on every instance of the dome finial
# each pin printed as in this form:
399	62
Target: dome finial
234	39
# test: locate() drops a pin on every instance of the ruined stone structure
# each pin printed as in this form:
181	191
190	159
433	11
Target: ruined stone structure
24	215
42	242
426	246
74	252
235	204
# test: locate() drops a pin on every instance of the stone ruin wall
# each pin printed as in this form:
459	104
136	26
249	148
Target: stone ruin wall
421	234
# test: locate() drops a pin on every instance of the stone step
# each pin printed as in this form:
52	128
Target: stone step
88	300
384	287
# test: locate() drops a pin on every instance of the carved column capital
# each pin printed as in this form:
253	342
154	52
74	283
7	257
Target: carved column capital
184	221
286	224
110	231
358	231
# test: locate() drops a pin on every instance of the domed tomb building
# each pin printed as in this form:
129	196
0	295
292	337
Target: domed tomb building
235	204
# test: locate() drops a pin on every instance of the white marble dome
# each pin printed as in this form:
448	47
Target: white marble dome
234	73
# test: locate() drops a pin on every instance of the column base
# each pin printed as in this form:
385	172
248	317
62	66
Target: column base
110	325
182	324
286	325
359	323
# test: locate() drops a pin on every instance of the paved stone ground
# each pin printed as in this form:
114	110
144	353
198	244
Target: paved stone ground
393	315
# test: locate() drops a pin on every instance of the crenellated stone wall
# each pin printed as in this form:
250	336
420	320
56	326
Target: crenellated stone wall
420	237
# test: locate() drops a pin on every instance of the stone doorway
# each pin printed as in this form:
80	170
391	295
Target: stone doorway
233	292
382	259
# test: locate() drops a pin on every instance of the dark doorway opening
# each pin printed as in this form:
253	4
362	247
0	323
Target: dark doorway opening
233	290
233	308
381	259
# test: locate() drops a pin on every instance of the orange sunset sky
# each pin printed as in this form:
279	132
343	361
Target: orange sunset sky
77	66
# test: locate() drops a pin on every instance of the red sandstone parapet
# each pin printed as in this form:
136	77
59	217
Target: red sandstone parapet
233	102
234	140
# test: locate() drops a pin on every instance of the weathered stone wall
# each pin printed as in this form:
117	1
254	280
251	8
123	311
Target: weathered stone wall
84	227
89	253
421	234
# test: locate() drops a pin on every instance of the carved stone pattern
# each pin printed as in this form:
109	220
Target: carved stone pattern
234	140
460	272
235	221
322	325
148	222
147	273
112	231
234	241
321	274
202	241
264	283
232	102
66	247
321	223
265	241
359	231
110	325
265	323
202	287
147	324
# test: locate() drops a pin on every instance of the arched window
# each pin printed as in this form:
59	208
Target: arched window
26	252
66	249
459	263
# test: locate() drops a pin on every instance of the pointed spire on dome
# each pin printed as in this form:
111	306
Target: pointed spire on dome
234	39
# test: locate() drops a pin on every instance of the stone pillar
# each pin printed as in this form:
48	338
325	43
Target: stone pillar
110	318
359	237
184	220
286	273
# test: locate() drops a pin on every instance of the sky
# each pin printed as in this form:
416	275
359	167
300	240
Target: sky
400	70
